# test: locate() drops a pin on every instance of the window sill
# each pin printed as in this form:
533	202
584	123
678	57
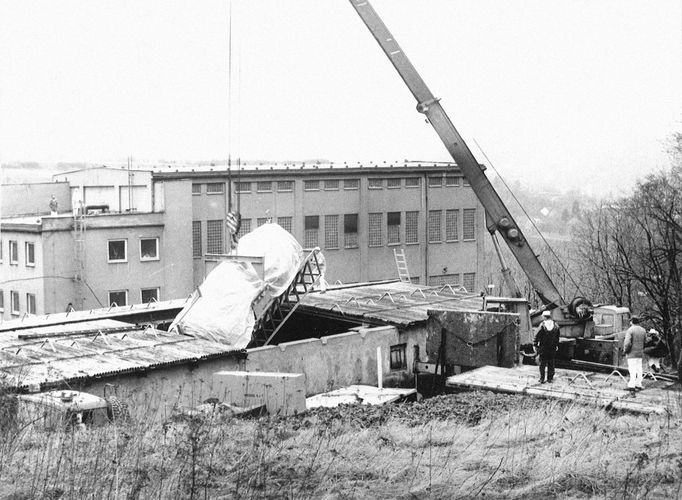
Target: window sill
397	244
473	239
149	259
351	248
412	243
209	194
451	241
117	261
435	242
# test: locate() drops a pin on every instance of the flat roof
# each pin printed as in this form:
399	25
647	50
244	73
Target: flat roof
390	303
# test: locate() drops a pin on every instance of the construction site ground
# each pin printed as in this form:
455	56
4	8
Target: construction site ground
470	444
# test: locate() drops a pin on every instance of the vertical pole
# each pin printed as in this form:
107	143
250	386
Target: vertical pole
380	371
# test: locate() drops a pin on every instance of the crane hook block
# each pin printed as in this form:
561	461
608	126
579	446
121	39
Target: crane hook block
423	106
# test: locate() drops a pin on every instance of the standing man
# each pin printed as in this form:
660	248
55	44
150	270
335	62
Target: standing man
634	349
53	205
547	344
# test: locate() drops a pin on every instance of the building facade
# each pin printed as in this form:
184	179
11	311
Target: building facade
357	215
129	237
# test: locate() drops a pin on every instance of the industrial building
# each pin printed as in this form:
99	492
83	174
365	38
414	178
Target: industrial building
128	236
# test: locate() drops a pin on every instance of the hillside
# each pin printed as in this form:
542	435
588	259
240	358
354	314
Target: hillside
462	445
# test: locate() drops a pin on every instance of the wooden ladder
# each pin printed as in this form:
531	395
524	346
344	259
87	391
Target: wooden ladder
401	264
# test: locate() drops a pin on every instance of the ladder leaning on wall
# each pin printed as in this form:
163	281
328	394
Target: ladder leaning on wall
401	264
79	252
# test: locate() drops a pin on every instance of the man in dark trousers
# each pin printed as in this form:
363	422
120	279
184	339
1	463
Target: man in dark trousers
547	344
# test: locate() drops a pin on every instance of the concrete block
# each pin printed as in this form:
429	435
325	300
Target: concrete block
281	393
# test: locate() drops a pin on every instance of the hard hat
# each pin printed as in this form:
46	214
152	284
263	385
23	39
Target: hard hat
546	314
653	331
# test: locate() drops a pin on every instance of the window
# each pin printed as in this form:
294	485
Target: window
14	301
149	249
465	182
412	182
196	238
264	186
285	222
435	182
215	187
351	184
445	279
451	180
375	183
451	220
214	236
285	186
242	187
394	183
118	298
13	252
331	185
393	226
30	254
311	185
350	231
2	301
312	226
31	303
196	188
149	295
331	231
118	250
262	220
412	227
375	223
469	224
469	282
398	357
434	226
244	228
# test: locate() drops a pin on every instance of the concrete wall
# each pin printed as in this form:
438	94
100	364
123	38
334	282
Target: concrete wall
33	199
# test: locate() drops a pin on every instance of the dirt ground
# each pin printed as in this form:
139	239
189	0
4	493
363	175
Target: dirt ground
462	445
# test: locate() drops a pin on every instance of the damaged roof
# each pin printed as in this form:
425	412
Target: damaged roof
42	358
393	303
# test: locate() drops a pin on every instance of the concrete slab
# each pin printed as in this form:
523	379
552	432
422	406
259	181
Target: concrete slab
281	393
362	394
599	389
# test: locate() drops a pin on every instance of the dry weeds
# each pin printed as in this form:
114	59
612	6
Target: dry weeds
464	445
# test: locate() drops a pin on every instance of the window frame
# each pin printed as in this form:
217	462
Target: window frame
220	184
196	188
30	263
456	182
373	227
155	288
390	227
147	259
260	184
397	356
12	295
473	224
288	220
311	185
455	212
330	187
125	251
347	222
197	242
13	255
393	179
2	300
238	187
31	303
440	226
331	234
408	229
281	189
432	179
211	225
413	186
375	180
110	302
351	184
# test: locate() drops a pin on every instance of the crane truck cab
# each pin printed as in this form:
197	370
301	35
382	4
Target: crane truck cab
604	337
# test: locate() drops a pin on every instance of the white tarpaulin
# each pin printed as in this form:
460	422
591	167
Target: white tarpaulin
222	310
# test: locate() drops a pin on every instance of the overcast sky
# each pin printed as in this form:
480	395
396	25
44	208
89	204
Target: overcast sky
571	93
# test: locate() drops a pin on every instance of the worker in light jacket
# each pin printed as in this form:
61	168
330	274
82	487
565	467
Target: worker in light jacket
547	344
634	349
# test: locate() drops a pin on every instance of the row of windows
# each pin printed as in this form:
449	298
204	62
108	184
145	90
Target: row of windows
287	186
393	233
117	250
15	306
13	253
120	297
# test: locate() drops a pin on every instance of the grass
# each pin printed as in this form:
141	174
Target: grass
469	445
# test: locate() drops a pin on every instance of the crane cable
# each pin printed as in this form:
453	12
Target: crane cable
529	218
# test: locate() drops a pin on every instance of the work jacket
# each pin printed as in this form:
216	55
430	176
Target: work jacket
547	339
634	341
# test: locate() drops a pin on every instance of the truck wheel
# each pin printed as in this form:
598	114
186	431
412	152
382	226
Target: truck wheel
118	410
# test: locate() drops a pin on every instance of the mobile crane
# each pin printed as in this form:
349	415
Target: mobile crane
576	317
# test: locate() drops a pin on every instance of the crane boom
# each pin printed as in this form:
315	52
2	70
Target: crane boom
499	218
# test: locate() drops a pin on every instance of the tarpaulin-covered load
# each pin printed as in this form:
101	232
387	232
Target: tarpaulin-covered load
221	310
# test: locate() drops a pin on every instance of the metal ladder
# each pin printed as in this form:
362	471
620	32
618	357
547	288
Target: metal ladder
401	264
271	313
79	252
